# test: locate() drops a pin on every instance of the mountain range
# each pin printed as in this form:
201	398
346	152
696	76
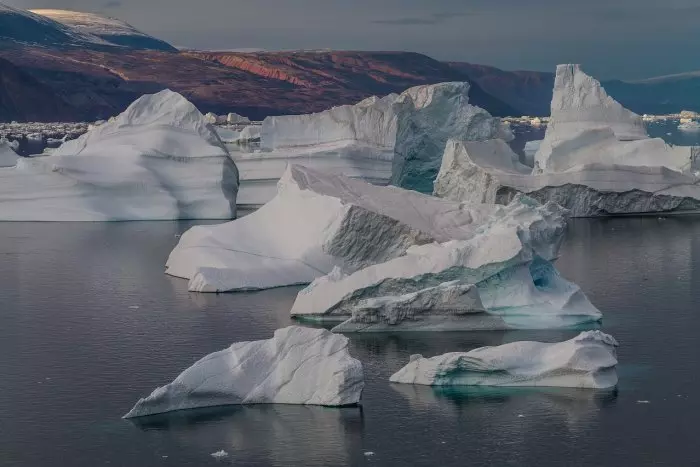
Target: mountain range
60	65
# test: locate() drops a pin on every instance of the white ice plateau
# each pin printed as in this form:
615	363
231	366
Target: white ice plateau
158	160
297	366
595	159
586	361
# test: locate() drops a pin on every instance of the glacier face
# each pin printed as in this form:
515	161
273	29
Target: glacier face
586	361
595	160
427	116
505	254
297	366
157	160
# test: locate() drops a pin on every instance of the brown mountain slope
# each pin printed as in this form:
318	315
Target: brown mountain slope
98	84
24	98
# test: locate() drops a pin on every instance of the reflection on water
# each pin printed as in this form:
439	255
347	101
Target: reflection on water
90	324
271	434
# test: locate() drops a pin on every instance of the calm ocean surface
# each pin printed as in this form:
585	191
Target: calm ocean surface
75	355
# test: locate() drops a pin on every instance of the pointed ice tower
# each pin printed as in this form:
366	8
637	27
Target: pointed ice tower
582	111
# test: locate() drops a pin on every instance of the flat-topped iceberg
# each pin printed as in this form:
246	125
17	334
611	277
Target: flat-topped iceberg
504	255
157	160
297	366
355	141
595	160
316	222
586	361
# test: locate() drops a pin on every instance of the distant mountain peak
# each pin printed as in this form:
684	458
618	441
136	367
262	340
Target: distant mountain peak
62	29
112	30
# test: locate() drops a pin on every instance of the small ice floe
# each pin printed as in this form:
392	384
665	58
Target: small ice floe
219	454
643	402
369	453
521	416
134	307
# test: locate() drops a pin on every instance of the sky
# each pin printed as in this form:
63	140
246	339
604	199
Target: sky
623	39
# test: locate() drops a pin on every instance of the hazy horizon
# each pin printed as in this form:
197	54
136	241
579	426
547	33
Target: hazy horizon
620	39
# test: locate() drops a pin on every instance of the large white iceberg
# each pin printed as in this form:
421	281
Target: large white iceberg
316	222
504	253
595	160
586	361
427	116
355	141
159	159
297	366
397	138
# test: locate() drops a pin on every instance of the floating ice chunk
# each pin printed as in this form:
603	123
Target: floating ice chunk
235	118
690	127
297	366
505	257
588	126
586	361
158	160
316	222
218	454
8	157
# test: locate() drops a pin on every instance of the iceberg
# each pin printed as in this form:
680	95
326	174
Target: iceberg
158	160
297	366
427	116
396	138
595	160
505	253
587	361
232	118
316	222
8	157
529	151
351	140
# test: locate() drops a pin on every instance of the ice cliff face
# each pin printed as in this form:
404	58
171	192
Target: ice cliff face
297	366
427	116
159	159
586	361
504	254
371	121
595	160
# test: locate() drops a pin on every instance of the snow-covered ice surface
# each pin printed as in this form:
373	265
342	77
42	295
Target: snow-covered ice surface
586	361
505	254
427	116
595	160
317	221
297	366
157	160
690	127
